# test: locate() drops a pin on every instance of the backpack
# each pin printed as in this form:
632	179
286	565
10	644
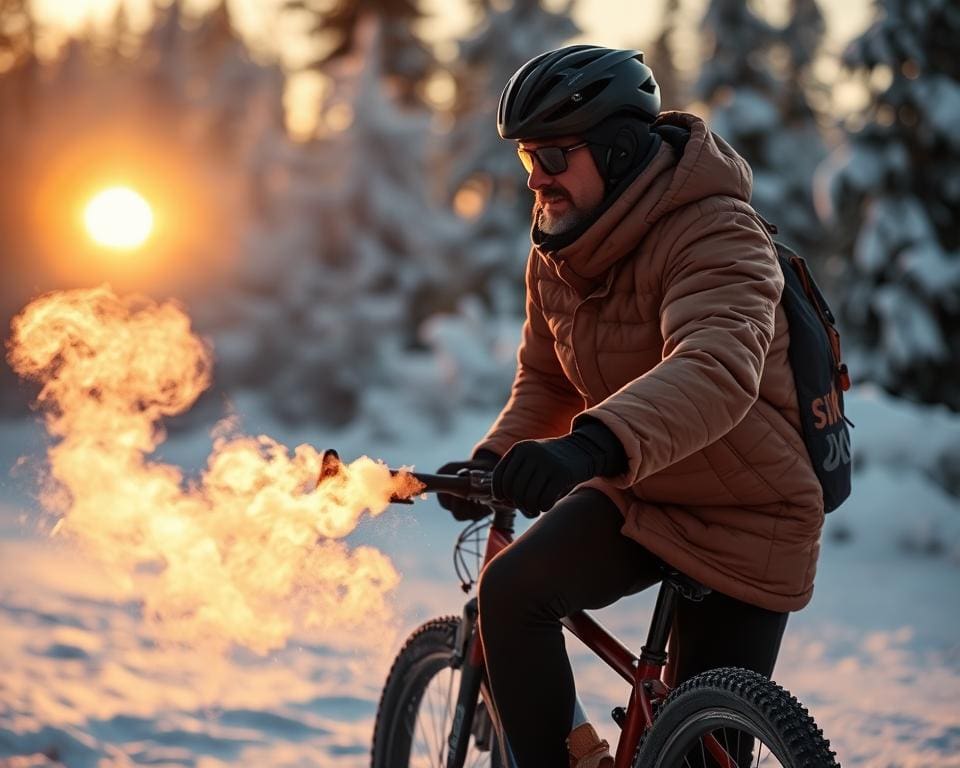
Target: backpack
820	376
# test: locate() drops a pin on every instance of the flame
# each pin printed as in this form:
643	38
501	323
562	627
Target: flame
249	552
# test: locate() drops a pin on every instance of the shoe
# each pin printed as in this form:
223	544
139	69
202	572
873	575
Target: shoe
587	750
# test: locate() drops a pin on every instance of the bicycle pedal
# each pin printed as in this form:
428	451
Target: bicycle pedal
619	715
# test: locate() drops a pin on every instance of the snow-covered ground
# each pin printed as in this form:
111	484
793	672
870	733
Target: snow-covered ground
876	656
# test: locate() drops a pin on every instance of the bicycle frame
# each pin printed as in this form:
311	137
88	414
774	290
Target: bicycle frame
643	673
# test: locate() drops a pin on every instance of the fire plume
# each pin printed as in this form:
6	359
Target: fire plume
249	552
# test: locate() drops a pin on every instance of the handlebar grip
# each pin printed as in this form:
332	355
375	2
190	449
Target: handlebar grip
457	485
474	484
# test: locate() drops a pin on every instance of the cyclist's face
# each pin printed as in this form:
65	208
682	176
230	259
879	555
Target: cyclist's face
564	200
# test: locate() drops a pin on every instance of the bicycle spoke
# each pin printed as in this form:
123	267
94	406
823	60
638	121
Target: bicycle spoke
477	761
426	741
444	733
440	724
429	695
434	737
412	733
429	741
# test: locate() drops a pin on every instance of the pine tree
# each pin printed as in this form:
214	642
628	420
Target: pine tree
754	80
18	79
407	59
673	89
486	60
16	33
895	188
350	255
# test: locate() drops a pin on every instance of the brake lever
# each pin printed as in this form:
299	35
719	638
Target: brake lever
481	485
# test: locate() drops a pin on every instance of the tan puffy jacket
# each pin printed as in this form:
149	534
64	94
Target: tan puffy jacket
663	321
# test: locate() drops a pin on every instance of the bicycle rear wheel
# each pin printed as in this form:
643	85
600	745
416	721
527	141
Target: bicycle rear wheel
756	722
417	708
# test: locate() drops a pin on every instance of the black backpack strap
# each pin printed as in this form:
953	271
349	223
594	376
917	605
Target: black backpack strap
819	303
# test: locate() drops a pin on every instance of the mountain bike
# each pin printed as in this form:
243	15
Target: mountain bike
436	710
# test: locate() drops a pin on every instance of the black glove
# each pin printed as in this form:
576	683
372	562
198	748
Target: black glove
464	509
535	474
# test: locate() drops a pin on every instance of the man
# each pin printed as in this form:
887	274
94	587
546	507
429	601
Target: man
654	412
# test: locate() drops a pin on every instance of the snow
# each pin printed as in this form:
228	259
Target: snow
940	97
749	112
935	271
875	656
891	224
910	332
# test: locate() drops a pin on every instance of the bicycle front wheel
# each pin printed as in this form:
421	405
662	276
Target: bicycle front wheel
418	704
753	720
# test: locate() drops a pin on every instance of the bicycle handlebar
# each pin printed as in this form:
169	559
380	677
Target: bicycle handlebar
472	484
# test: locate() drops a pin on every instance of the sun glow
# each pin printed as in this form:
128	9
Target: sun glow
119	218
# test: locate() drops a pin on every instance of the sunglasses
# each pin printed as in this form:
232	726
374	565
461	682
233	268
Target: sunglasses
553	160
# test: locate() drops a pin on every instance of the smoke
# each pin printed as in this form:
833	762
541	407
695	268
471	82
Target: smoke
249	552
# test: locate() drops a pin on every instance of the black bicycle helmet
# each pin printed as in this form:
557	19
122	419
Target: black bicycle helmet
572	89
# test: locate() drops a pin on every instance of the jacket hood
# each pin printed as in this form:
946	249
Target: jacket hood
708	166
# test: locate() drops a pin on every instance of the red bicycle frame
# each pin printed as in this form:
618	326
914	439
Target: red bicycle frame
644	673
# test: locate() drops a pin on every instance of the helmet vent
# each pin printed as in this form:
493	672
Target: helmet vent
580	63
538	96
648	86
578	100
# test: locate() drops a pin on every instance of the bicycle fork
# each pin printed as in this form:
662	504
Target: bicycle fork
469	653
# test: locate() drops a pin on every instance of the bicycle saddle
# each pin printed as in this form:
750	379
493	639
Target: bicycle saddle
688	588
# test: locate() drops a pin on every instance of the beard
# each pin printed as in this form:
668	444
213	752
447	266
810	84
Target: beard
557	224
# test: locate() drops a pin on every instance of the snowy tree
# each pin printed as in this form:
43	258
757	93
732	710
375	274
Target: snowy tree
16	33
407	59
660	57
18	76
754	81
485	180
895	189
351	255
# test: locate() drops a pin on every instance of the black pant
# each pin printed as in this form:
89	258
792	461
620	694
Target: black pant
575	558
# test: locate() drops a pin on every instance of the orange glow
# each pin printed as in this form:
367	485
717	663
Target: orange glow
119	218
249	552
198	210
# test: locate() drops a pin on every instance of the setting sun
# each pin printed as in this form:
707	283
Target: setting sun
119	218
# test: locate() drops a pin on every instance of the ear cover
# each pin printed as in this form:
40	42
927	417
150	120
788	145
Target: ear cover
622	153
619	144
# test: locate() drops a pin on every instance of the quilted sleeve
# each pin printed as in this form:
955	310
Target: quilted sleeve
542	401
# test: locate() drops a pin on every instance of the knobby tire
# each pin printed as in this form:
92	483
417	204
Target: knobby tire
730	701
425	657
